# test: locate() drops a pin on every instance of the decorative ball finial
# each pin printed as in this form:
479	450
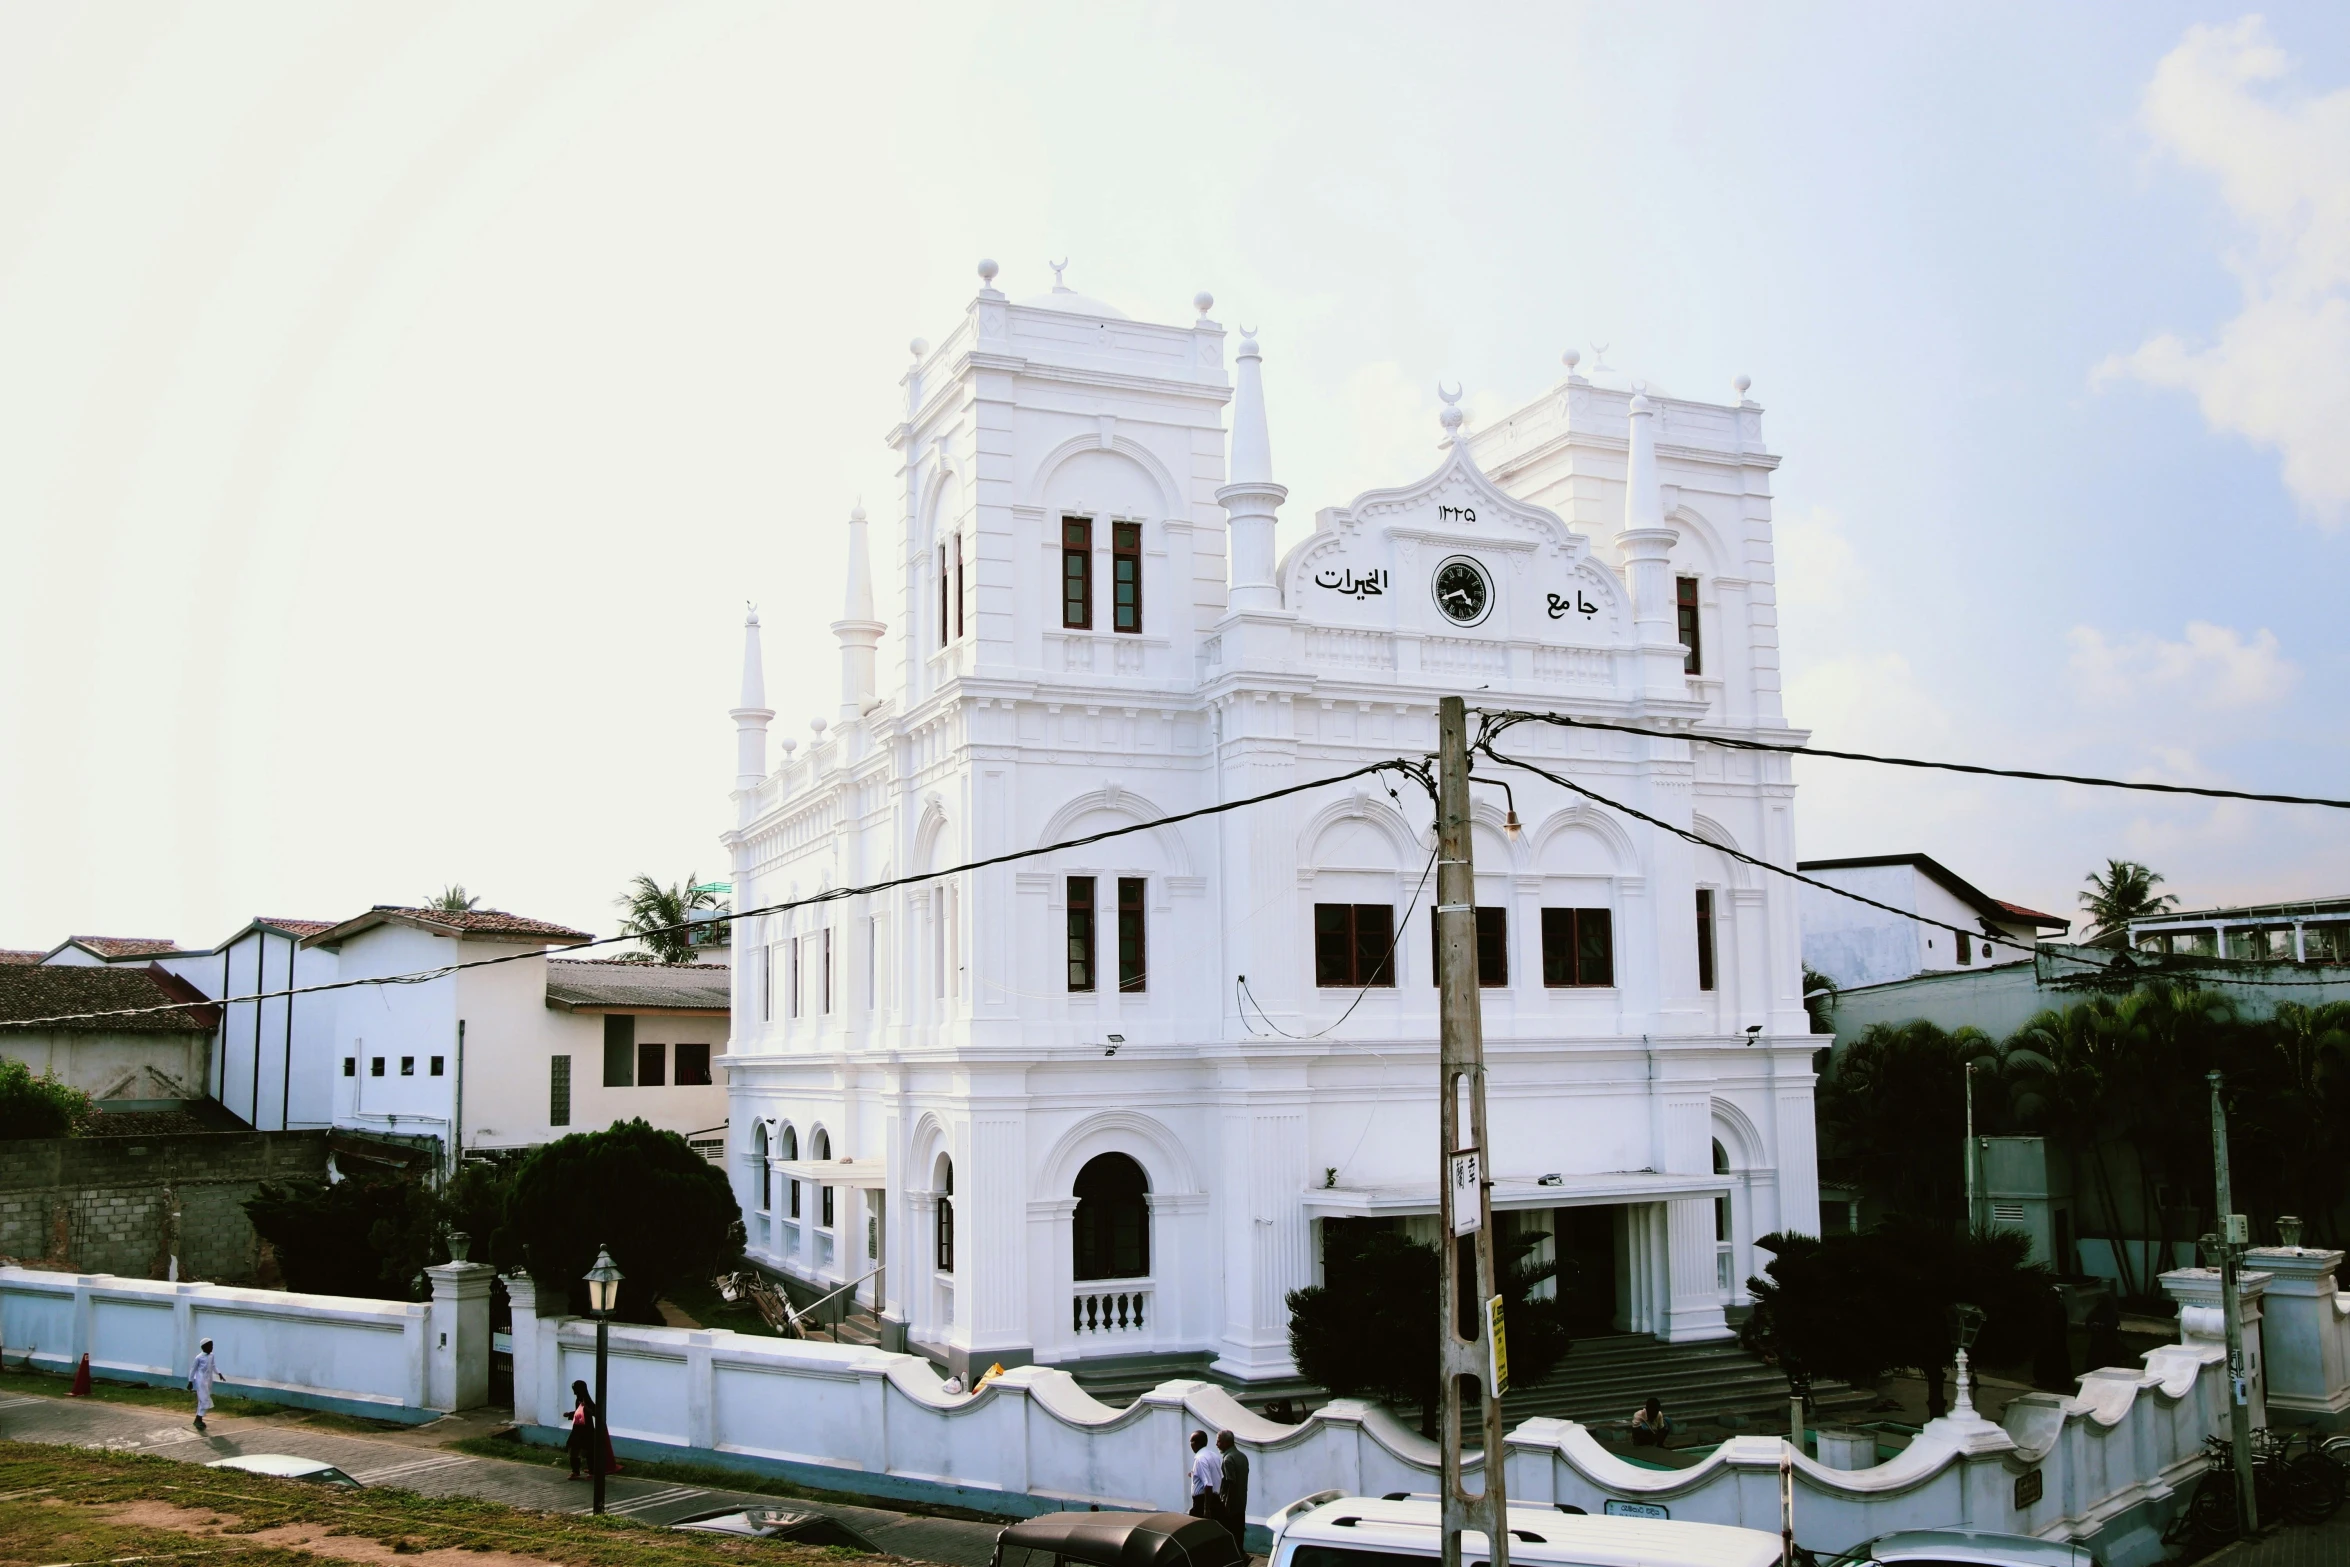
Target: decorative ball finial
987	271
1742	383
1571	358
1203	302
1059	267
918	347
819	726
857	512
789	745
1451	417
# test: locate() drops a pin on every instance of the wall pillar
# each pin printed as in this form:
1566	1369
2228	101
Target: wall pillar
459	1350
2305	1332
2201	1321
522	1293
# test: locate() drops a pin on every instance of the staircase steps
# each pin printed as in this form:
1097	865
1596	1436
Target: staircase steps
1603	1379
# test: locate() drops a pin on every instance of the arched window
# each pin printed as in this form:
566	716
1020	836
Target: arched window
1113	1226
791	1188
821	1148
1721	1204
946	1214
759	1158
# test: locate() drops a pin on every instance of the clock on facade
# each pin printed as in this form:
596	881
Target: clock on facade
1463	592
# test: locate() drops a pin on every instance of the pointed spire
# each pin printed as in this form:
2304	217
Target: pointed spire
1251	498
752	715
858	632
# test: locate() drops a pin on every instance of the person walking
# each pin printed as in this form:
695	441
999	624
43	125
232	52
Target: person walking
1233	1488
583	1444
200	1377
1207	1478
1650	1424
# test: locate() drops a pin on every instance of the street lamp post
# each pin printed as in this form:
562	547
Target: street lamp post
1965	1322
603	1282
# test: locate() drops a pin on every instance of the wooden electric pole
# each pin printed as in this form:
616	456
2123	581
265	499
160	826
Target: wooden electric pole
1464	1187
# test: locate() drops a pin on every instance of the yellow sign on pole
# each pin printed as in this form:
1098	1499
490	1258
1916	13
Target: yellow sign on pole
1497	1349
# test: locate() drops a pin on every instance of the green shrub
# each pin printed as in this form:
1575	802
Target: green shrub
667	1213
39	1106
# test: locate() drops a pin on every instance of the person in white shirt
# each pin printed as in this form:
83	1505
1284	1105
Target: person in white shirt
200	1377
1207	1478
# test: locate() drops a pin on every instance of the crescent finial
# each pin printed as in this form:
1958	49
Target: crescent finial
1450	397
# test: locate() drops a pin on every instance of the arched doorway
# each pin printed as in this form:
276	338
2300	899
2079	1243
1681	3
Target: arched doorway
1111	1231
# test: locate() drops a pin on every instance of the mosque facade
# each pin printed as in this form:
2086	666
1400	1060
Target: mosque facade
1108	1101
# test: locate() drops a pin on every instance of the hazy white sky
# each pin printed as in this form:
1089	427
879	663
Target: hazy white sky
397	402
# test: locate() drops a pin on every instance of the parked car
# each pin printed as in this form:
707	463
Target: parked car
1118	1540
776	1523
284	1466
1964	1548
1327	1530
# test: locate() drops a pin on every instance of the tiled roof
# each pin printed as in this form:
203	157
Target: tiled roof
294	927
476	924
573	985
54	990
16	955
124	946
2033	916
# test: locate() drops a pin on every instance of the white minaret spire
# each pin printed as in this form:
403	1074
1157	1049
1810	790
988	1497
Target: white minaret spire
1251	498
1647	546
858	631
752	715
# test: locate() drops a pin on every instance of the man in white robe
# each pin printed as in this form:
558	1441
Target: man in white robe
200	1377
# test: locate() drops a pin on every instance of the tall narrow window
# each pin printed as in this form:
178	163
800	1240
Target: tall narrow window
1578	947
693	1066
1130	933
1685	610
619	1050
652	1059
558	1090
945	625
767	983
1966	948
955	542
1126	576
944	1258
1354	944
1493	949
828	971
791	988
1077	573
1081	933
1705	938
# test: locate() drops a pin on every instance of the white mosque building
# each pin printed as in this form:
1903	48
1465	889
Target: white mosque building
1104	1102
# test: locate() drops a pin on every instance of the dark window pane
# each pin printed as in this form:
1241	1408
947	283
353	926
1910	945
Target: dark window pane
1595	947
434	1066
1685	604
1558	947
558	1090
1705	938
942	596
1130	933
1126	575
1077	572
1333	943
1081	933
945	1259
350	1066
956	544
1374	961
1493	947
407	1066
693	1066
375	1066
650	1059
619	1051
1110	1236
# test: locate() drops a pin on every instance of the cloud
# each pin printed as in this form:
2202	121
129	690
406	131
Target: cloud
2215	667
2278	373
1817	567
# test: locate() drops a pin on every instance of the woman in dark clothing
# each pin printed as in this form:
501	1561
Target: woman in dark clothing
583	1444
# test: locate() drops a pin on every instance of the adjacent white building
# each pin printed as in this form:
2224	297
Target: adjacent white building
1856	945
1103	1102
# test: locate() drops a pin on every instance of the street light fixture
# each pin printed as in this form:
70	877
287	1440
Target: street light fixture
603	1282
1965	1323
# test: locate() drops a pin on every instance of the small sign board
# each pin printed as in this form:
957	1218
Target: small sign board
2027	1489
1621	1509
1497	1349
1465	1171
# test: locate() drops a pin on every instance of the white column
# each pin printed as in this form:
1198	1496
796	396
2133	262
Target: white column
459	1351
2201	1321
529	1349
2305	1331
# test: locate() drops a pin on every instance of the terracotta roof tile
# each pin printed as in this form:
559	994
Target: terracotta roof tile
295	927
16	955
487	924
126	946
52	990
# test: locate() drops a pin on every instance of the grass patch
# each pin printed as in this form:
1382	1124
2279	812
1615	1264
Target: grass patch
698	1300
51	1501
50	1384
718	1478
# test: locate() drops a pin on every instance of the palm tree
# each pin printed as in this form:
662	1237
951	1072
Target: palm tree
658	915
1892	1113
2124	893
452	899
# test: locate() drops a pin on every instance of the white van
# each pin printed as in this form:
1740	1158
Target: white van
1329	1530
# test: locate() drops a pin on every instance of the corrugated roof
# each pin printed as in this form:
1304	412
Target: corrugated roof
575	984
471	924
50	991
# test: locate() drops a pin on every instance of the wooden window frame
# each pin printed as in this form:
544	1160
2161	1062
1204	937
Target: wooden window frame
1133	935
1686	620
1125	573
1083	949
1076	573
1342	942
652	1063
1564	948
1708	974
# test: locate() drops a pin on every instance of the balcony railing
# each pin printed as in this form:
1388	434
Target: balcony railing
1112	1309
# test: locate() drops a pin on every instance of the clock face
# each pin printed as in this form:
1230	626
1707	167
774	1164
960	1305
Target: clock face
1463	592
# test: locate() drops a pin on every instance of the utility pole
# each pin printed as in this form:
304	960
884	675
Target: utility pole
2231	1240
1971	1217
1464	1186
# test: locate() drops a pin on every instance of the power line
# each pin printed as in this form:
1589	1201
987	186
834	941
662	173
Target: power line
1500	719
1413	769
1248	998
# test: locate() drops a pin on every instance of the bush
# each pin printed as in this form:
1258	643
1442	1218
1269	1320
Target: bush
38	1106
667	1213
369	1235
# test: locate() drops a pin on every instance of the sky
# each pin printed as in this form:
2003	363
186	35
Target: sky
398	402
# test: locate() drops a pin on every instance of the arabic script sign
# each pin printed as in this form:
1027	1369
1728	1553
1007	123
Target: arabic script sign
1370	584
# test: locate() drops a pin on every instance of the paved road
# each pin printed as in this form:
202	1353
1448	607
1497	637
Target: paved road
414	1461
2292	1545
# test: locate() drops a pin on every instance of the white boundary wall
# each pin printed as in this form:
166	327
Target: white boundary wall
2109	1460
369	1357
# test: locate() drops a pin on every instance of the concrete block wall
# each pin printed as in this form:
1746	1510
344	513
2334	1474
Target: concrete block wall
105	1204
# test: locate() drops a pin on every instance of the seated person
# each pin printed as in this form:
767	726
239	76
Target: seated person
1650	1425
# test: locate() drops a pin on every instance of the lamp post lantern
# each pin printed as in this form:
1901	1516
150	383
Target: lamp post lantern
603	1282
